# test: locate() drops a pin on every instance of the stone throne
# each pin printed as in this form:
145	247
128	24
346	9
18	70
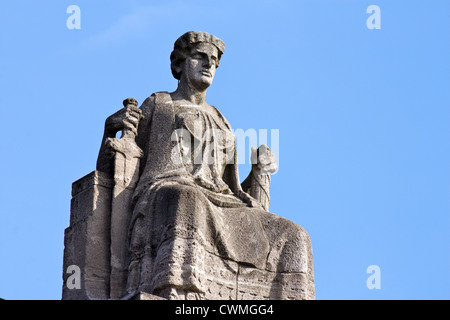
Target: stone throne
158	220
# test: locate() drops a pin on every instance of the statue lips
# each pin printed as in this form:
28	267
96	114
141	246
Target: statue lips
206	73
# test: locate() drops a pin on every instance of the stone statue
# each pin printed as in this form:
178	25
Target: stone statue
182	226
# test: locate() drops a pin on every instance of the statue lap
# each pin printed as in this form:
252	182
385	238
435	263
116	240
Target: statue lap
184	246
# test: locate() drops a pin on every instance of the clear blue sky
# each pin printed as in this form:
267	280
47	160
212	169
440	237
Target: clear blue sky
363	118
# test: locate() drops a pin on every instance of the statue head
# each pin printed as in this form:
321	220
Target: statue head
196	55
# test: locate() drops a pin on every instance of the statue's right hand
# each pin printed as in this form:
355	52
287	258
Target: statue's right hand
126	118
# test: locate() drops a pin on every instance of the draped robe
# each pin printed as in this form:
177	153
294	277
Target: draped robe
193	228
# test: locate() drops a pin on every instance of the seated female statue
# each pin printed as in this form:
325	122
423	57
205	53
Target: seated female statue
195	232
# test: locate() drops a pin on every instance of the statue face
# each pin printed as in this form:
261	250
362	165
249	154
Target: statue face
199	67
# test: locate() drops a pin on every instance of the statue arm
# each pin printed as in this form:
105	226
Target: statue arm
257	184
133	122
147	108
105	162
125	120
231	177
246	184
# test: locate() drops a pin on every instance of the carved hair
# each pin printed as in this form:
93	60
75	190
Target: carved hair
185	43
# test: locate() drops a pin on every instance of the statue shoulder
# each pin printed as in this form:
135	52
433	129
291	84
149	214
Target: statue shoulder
154	99
220	115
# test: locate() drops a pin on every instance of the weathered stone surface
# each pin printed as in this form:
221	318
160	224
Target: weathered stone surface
176	222
87	241
255	284
144	296
126	175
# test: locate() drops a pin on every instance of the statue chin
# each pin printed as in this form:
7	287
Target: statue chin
201	84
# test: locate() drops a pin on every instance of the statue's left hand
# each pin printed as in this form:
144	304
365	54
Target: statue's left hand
264	160
244	196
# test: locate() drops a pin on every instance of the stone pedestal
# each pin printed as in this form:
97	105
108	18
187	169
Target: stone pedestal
87	239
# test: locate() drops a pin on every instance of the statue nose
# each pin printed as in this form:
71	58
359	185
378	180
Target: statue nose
207	62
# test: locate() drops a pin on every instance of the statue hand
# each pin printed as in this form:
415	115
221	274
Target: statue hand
126	118
244	196
264	160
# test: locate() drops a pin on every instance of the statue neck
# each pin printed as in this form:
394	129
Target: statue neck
190	94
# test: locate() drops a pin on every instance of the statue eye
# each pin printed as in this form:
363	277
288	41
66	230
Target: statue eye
197	56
